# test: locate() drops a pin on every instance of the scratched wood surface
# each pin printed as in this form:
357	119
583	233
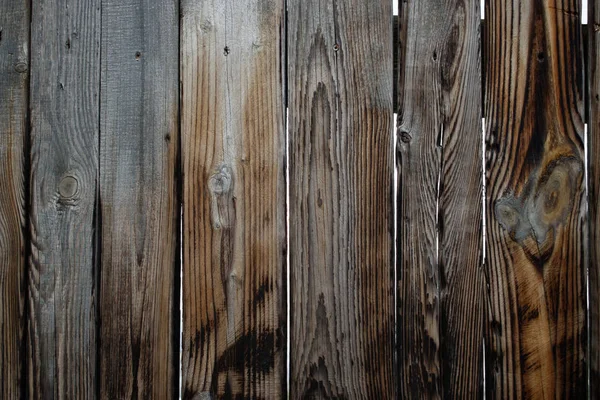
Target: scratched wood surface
440	280
139	334
341	226
593	80
14	79
65	71
233	150
535	205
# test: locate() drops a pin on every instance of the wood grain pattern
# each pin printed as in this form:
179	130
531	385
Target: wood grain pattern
593	82
65	71
14	79
139	143
535	206
234	199
341	225
440	279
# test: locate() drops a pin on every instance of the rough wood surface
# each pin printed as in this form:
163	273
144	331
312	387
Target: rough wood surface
233	149
65	71
593	57
440	279
535	207
139	351
14	74
341	226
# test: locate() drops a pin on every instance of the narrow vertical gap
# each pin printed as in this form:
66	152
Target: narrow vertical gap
586	100
284	75
483	239
395	67
179	179
587	261
287	263
26	228
97	245
482	8
483	197
178	378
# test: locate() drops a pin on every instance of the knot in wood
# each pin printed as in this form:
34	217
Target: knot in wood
220	183
405	137
21	67
67	188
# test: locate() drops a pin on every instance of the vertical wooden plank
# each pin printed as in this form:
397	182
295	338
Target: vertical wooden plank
14	79
440	279
593	80
65	50
535	206
341	228
234	198
139	143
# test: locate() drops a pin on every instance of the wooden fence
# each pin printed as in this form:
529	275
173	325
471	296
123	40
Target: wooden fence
243	151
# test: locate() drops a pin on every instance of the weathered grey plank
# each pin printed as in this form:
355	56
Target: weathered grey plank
138	198
341	228
14	79
233	149
441	298
535	206
65	51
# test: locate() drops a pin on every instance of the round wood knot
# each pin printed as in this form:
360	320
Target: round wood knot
220	182
67	188
405	137
21	67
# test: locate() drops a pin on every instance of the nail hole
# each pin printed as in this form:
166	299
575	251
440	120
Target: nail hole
541	56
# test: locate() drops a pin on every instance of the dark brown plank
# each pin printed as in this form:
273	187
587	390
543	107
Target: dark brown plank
341	225
233	149
535	206
65	61
440	280
593	82
139	351
14	79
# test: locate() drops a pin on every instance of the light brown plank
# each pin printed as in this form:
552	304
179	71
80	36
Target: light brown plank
233	149
441	298
14	79
139	344
341	227
65	62
535	206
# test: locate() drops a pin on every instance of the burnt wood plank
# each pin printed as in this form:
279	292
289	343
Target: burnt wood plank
340	73
593	82
535	205
233	158
65	51
440	279
138	199
14	79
